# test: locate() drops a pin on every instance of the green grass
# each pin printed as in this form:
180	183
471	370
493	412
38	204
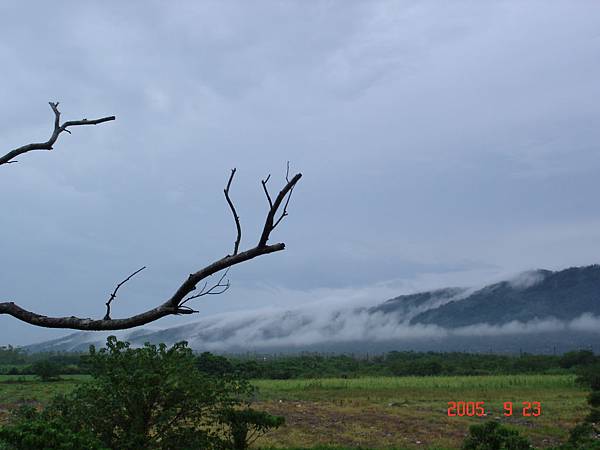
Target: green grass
420	383
18	389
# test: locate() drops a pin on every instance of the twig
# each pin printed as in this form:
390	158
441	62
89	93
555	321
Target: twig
114	293
287	202
270	222
264	185
212	290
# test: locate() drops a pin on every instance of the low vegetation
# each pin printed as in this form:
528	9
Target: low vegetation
354	410
144	398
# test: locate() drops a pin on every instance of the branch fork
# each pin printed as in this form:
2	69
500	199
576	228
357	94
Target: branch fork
58	129
177	303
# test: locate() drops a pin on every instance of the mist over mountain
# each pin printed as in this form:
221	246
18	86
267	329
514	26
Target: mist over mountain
538	311
534	295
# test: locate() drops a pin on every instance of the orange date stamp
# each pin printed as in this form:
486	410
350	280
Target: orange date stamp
470	409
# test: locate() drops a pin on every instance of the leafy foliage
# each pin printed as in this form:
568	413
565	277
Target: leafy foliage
247	425
494	436
577	358
35	431
586	435
46	370
152	397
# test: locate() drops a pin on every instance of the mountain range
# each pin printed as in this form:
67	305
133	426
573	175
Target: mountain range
538	311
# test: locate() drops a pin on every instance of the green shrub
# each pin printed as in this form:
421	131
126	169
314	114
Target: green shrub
247	425
577	358
30	430
494	436
584	436
46	370
152	397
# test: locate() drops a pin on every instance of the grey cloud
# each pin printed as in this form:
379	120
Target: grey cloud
433	138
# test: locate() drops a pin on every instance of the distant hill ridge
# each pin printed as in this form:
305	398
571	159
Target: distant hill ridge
565	295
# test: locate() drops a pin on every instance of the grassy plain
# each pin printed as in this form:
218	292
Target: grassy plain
381	412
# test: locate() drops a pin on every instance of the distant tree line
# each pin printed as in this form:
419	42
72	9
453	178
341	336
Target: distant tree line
14	361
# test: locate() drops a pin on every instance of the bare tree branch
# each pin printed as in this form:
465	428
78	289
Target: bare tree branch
177	303
58	129
287	202
236	246
264	185
269	224
114	293
169	307
213	290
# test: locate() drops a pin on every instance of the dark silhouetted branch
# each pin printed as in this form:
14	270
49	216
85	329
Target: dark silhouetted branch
264	185
218	288
170	307
177	303
236	246
287	202
114	293
270	224
58	129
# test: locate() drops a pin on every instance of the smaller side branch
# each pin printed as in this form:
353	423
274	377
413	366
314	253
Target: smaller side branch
218	288
270	222
264	185
58	129
287	202
236	246
114	293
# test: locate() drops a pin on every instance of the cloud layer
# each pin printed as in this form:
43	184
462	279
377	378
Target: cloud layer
435	139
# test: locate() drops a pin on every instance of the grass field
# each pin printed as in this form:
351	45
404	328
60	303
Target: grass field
381	412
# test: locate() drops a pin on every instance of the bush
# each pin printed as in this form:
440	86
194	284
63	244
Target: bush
247	425
46	370
151	397
31	430
145	398
41	433
577	358
494	436
214	365
589	376
584	436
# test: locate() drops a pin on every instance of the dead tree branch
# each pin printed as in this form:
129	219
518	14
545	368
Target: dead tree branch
285	192
58	129
176	304
213	290
287	202
114	293
235	216
264	185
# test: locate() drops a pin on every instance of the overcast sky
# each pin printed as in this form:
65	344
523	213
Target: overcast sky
442	143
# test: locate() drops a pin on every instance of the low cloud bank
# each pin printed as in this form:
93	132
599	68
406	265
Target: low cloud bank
332	321
303	327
